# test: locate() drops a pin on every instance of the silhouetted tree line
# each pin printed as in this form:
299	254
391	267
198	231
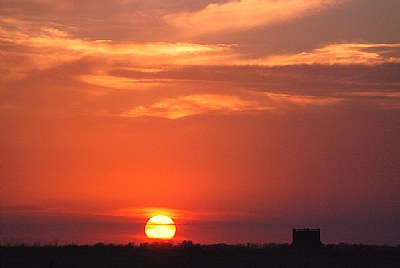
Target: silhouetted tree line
189	254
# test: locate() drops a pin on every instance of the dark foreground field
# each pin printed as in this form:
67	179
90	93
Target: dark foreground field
191	255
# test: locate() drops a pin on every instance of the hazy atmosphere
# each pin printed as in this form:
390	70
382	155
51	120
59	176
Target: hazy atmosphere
238	119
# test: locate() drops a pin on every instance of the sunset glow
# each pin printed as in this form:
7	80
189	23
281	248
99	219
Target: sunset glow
239	119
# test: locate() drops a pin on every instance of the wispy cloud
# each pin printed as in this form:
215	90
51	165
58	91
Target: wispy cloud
284	99
47	46
243	14
383	99
114	82
175	108
339	54
196	104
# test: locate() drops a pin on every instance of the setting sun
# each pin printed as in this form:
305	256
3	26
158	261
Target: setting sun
160	227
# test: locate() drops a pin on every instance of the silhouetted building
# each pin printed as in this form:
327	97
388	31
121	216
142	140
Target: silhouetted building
306	238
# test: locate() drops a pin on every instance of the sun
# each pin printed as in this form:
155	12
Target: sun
160	227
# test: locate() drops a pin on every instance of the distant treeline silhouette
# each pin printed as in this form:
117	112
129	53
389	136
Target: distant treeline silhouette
189	254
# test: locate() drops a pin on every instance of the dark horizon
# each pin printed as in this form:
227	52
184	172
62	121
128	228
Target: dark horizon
189	254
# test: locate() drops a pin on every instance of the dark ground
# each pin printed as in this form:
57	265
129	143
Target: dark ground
188	254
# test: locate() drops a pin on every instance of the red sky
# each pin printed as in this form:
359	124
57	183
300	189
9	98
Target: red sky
239	119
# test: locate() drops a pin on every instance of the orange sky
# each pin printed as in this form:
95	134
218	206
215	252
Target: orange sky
239	119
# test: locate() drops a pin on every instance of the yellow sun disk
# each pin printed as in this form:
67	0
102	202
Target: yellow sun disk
160	227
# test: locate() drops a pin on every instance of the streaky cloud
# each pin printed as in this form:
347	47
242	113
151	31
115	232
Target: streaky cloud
244	14
339	54
197	104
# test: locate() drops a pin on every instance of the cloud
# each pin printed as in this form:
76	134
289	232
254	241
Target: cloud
46	46
279	98
339	54
114	82
53	38
243	14
196	104
383	99
175	108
